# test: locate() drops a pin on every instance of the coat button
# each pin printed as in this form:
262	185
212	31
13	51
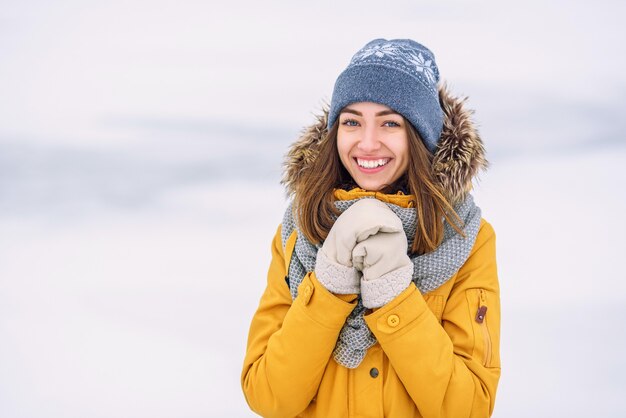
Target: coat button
308	291
393	320
374	372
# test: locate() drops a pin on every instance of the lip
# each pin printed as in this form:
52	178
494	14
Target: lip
371	170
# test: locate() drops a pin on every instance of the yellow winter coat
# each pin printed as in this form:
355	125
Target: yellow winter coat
437	354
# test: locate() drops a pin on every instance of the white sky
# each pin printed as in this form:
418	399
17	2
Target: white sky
82	72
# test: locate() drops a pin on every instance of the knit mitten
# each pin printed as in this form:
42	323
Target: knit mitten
387	269
333	267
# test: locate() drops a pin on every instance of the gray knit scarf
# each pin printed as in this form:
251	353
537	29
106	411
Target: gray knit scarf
431	270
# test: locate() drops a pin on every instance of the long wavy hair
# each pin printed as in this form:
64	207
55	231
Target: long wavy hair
316	212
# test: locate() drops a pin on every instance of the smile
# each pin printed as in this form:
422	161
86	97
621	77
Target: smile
372	163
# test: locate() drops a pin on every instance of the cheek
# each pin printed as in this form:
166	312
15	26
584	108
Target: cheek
402	149
343	148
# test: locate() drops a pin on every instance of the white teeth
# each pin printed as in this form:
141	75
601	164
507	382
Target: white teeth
372	163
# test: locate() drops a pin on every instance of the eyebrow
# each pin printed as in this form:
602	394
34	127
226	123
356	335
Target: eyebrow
381	113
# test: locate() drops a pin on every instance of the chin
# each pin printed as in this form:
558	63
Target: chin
373	183
370	186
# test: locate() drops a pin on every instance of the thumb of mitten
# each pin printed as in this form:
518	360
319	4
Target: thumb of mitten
361	220
381	254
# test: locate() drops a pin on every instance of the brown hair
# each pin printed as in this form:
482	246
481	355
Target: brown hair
315	211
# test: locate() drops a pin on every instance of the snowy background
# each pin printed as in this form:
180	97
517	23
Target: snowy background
140	152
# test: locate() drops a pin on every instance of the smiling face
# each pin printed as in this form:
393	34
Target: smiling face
373	144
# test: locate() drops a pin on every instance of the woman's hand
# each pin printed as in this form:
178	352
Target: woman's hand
334	267
387	269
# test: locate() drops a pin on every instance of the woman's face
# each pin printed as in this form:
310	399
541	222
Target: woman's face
372	144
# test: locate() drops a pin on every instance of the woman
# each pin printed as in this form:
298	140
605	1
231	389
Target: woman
382	296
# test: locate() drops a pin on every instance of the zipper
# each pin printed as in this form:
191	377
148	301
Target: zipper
481	315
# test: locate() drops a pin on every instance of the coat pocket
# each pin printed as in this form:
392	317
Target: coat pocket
484	311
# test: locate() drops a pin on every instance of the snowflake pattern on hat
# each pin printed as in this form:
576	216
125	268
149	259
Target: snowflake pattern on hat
379	50
409	57
423	65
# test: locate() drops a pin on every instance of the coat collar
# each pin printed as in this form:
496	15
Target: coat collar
460	153
399	199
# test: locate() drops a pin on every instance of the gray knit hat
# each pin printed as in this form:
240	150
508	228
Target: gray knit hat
399	73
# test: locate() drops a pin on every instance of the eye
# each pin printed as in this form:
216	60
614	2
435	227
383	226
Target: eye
391	124
350	122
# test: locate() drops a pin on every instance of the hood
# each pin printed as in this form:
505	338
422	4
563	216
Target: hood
460	153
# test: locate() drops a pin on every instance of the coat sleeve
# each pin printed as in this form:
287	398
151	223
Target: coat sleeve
290	343
452	368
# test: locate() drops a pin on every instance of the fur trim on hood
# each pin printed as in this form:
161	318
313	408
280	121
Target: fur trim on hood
459	156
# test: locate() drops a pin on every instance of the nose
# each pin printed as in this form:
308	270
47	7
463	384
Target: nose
369	142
